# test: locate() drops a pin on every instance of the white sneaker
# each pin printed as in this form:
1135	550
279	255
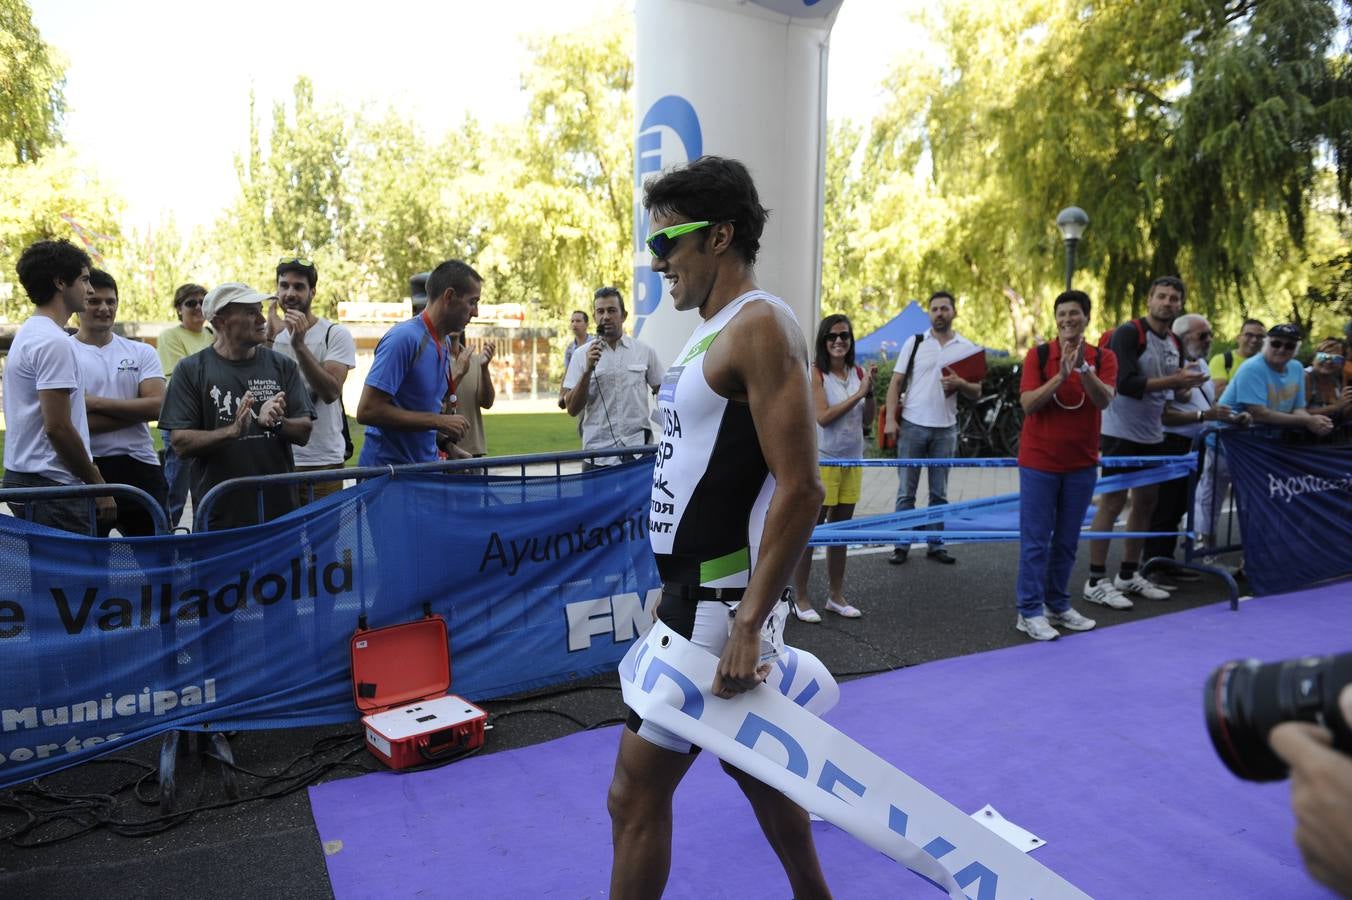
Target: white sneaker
1037	628
1071	619
1105	594
1139	585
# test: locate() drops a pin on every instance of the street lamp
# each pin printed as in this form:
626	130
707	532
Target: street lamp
1072	221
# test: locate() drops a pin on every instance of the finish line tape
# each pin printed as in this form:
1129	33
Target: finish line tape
765	733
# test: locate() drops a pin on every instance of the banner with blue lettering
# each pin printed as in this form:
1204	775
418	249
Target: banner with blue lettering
1295	510
107	642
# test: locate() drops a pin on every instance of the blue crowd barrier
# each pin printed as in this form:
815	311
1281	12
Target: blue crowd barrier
542	579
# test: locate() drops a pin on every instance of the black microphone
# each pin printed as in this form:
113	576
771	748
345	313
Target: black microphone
600	330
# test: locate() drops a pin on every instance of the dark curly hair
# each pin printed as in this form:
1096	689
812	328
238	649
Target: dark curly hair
712	189
46	262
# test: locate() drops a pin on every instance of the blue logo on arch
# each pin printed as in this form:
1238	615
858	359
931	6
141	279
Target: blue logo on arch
670	133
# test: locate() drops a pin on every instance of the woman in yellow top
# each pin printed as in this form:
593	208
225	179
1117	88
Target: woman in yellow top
191	335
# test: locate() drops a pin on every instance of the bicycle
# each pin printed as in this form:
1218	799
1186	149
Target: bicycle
991	425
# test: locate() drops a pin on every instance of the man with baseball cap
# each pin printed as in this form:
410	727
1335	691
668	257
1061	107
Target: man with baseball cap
1271	386
236	408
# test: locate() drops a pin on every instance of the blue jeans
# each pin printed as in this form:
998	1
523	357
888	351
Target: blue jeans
1051	512
177	474
923	442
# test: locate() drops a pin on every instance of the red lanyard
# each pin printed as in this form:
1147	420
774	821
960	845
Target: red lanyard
450	378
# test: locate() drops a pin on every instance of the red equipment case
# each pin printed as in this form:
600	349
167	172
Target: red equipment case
400	675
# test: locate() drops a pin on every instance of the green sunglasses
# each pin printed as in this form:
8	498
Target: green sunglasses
660	243
296	261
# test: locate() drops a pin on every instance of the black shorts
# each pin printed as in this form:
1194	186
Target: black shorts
678	610
1116	446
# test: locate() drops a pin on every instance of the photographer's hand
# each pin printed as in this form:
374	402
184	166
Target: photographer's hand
1321	797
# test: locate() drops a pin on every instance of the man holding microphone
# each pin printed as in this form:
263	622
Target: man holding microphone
609	385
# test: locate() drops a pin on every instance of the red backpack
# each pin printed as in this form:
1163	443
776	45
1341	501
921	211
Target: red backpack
1105	339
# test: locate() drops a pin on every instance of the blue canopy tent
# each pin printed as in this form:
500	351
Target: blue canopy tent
887	340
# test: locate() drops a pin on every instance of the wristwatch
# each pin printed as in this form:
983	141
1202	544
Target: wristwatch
1082	368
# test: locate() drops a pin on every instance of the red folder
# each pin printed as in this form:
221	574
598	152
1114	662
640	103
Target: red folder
971	368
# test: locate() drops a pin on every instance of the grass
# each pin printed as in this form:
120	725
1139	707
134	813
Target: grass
509	434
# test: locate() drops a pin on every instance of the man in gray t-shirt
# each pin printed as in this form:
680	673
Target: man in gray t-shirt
1148	374
236	408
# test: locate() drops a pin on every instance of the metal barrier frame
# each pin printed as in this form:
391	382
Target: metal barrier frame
888	537
259	483
30	495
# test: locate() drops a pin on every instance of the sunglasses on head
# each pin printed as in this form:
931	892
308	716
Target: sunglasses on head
296	261
660	243
1277	344
843	337
1323	357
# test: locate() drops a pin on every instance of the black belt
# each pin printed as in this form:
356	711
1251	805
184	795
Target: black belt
695	592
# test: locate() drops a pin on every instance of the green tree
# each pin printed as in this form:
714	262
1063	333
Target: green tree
31	82
1195	134
564	178
53	197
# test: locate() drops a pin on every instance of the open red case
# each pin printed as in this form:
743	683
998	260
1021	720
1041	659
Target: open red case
400	676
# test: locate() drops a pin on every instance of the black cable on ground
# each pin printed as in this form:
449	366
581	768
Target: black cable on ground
45	809
554	712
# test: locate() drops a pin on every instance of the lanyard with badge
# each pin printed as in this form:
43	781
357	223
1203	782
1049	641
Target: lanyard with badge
445	364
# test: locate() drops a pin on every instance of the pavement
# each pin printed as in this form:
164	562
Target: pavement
913	614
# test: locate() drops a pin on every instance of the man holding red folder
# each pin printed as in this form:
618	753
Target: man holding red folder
922	403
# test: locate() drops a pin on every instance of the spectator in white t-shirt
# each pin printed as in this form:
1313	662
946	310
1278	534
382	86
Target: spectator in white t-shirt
123	388
325	352
47	433
922	404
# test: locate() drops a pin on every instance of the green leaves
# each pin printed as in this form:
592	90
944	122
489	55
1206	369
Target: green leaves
1206	139
31	77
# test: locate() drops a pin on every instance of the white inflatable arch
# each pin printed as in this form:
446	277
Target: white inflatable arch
744	79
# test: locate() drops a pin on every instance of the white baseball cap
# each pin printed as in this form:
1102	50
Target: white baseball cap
231	292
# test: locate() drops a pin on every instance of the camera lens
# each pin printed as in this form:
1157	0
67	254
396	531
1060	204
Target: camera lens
1246	699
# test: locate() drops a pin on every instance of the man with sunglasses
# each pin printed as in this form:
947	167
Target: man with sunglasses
1247	345
609	383
1185	416
325	352
191	335
735	495
1271	388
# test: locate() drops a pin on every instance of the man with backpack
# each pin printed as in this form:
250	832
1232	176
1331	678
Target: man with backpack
922	403
325	352
1248	343
1149	357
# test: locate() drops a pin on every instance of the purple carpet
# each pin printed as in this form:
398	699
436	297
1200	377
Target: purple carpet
1096	743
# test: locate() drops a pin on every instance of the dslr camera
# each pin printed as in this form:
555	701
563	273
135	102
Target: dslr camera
1245	699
